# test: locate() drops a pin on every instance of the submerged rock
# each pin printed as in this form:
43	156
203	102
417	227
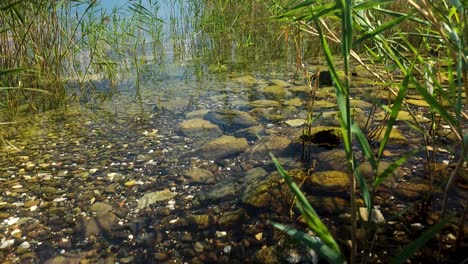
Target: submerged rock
198	127
276	144
275	92
334	159
220	192
294	102
328	181
153	197
390	182
264	104
198	175
223	147
271	193
412	190
246	79
295	122
250	133
96	225
281	83
231	120
100	208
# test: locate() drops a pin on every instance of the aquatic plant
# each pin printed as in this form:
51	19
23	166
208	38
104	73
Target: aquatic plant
369	24
54	51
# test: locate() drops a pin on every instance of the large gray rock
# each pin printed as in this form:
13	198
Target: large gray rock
198	127
223	147
231	120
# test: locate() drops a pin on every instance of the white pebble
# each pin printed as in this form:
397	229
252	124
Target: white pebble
12	220
227	249
15	231
5	243
173	221
33	208
25	245
221	233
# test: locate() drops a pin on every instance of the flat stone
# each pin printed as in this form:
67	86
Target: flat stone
329	181
220	192
198	175
231	120
223	147
412	190
96	225
199	127
274	92
294	102
264	104
100	208
250	133
154	197
417	102
229	219
302	90
329	204
390	182
275	144
334	159
295	122
246	79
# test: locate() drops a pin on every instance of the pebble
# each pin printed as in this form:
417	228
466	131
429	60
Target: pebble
25	245
198	247
227	249
5	243
12	220
259	236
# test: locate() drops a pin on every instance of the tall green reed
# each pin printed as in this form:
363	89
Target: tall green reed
47	45
361	25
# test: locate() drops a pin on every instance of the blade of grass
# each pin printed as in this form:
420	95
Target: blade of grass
326	252
418	243
393	166
313	220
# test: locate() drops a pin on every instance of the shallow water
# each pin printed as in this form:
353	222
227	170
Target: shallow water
114	180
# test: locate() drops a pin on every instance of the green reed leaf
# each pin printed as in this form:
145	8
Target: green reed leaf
312	242
418	243
11	71
307	211
395	110
399	14
388	25
393	166
434	104
369	4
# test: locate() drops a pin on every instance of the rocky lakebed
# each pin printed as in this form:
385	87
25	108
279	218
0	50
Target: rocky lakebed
188	179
